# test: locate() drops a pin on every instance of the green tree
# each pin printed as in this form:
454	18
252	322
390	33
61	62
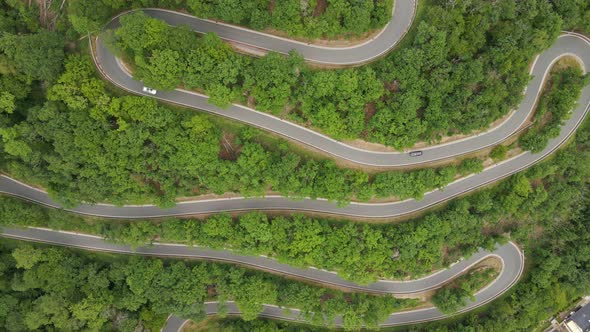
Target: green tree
271	79
499	152
163	70
7	102
35	56
27	257
470	166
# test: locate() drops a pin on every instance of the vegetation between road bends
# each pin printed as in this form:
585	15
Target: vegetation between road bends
455	76
458	73
260	325
523	206
554	107
86	144
499	153
554	236
454	296
55	288
358	252
311	19
402	98
558	275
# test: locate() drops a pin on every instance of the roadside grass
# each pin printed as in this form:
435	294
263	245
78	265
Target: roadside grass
564	63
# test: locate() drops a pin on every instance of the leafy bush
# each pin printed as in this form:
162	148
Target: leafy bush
554	108
453	297
499	152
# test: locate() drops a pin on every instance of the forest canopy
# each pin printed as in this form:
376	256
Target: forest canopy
56	288
463	65
309	19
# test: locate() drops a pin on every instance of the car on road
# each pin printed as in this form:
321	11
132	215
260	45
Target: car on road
149	90
415	153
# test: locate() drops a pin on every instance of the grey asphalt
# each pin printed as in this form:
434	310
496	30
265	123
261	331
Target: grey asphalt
509	254
174	323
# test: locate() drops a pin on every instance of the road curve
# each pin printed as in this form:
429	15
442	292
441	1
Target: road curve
510	256
174	323
567	44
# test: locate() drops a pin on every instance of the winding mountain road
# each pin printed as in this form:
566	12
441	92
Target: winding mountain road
512	259
509	255
573	45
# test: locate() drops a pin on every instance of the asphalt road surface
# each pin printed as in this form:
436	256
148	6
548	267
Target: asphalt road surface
509	255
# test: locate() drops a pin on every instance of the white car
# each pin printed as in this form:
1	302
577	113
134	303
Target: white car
149	90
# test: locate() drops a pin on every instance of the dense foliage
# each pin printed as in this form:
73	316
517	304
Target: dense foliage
259	325
86	144
555	235
358	252
554	107
463	68
29	57
37	56
454	296
58	289
576	12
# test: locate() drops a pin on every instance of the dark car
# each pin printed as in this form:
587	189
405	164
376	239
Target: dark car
415	153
